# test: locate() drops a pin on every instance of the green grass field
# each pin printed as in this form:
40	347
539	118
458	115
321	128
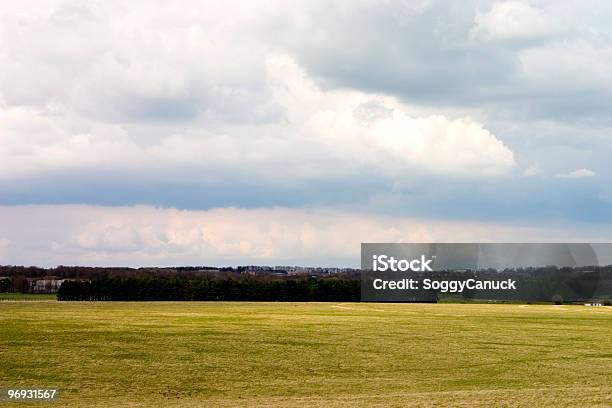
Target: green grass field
308	354
26	296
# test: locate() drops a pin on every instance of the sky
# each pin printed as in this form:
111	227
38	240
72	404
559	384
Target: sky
143	133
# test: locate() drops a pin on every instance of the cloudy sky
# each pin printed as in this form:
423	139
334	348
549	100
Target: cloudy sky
275	132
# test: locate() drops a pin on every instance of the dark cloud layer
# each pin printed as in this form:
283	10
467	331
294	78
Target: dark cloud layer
527	60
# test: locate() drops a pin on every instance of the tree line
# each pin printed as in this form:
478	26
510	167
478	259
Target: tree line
94	272
248	289
242	283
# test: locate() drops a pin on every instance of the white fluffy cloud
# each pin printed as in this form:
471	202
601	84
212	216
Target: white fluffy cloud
515	20
141	235
131	62
576	174
324	134
199	80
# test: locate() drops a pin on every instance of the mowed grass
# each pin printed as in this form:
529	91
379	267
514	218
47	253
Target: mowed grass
308	354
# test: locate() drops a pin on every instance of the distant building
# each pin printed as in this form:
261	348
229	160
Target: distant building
48	284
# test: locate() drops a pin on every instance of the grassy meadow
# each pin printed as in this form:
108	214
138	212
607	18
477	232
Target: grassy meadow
26	296
196	354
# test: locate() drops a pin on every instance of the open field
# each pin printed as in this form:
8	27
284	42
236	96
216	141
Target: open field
308	354
26	296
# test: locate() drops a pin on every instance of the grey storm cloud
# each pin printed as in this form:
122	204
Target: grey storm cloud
542	60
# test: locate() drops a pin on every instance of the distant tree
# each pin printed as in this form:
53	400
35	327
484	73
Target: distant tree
557	299
5	285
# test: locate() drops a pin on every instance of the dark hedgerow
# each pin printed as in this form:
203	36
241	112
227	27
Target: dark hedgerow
173	288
